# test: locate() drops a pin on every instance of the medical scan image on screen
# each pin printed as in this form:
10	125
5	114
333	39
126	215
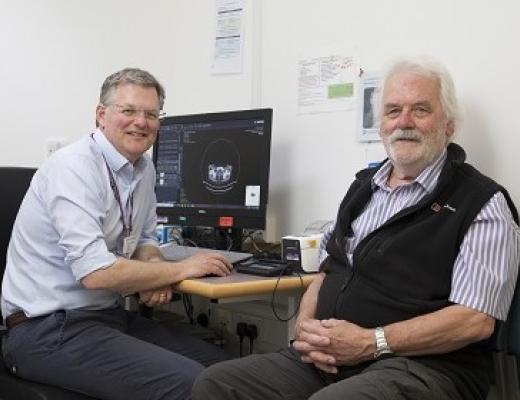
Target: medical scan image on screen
220	164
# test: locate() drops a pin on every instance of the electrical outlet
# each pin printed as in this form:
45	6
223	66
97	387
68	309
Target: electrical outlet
225	319
53	144
249	319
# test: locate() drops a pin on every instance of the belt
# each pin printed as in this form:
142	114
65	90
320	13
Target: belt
16	319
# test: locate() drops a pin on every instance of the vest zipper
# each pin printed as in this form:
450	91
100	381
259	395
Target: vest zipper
348	279
341	294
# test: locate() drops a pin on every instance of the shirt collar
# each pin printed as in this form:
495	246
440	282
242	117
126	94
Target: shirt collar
427	179
115	160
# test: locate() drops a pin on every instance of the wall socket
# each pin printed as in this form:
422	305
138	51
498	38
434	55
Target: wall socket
225	320
53	144
248	319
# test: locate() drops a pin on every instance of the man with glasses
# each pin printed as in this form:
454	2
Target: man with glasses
85	236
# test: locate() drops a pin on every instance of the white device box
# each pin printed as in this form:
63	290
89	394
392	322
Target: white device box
302	251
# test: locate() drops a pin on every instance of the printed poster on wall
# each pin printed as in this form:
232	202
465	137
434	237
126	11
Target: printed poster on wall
229	37
326	82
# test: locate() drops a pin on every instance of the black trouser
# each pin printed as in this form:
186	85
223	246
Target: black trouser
109	354
282	376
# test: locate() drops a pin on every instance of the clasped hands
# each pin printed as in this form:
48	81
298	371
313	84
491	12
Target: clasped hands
331	343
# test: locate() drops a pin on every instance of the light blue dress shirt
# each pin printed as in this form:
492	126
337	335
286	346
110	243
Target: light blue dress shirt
69	225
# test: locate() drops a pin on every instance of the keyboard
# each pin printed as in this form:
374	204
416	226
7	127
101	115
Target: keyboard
175	252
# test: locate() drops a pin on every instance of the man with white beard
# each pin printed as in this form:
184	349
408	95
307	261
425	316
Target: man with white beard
421	262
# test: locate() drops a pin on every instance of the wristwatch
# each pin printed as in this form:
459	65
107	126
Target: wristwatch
382	346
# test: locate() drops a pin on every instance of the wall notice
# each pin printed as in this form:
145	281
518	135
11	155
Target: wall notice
326	83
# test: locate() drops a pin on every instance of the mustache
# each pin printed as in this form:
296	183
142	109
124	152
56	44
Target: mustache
405	134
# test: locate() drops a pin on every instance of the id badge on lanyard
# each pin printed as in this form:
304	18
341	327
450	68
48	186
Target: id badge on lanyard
129	242
129	245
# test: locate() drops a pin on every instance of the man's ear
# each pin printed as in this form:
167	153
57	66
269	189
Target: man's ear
450	128
100	116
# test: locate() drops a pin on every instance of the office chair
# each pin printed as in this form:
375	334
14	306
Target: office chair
506	358
15	181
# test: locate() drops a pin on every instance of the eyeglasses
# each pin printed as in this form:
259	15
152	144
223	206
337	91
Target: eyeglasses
130	112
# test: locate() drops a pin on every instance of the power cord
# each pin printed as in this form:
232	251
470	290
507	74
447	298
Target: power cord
246	330
188	307
251	237
273	295
241	332
252	334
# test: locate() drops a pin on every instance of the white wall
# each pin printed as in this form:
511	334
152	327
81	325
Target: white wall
55	54
319	154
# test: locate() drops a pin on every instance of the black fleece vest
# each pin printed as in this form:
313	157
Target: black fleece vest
404	268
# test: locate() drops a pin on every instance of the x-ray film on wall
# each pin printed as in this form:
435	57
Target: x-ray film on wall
368	129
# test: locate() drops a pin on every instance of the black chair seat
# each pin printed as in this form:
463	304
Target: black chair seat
13	388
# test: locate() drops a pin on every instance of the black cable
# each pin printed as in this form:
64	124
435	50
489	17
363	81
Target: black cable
222	327
273	295
177	235
206	238
190	242
188	307
250	235
241	332
229	240
252	334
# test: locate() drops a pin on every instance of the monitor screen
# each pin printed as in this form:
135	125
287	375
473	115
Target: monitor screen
213	169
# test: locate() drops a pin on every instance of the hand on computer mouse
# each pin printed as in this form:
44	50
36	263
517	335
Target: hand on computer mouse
204	264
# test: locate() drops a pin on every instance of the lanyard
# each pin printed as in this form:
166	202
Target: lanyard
127	229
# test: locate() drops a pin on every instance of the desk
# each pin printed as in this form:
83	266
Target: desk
236	284
240	285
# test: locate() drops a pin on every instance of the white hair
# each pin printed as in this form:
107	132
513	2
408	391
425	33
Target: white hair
430	68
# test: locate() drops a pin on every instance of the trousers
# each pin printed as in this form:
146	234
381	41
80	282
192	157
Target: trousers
282	376
108	354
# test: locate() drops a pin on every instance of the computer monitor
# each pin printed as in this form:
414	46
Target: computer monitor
213	169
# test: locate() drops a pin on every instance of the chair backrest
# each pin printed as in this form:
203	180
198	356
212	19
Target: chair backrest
14	182
506	337
513	324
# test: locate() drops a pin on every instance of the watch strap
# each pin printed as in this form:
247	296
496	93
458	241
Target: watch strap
382	346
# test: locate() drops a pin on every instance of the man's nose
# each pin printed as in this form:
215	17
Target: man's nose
406	120
140	119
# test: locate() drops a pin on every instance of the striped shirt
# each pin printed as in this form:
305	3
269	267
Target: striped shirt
485	271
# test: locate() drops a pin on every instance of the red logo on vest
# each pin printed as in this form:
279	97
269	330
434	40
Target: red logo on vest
436	207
